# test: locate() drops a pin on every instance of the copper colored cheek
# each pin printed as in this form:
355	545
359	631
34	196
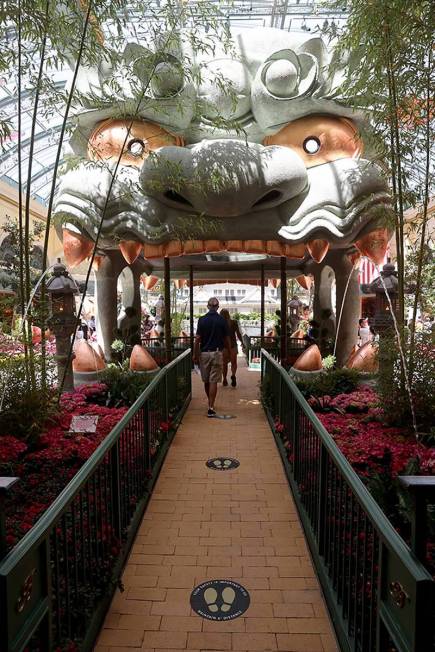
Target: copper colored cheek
111	137
107	144
338	138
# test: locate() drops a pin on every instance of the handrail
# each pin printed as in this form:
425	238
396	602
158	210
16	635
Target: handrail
66	496
69	562
379	594
362	494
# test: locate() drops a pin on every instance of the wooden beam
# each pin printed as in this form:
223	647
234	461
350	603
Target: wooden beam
283	287
168	334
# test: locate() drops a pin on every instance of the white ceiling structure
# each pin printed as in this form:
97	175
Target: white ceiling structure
309	15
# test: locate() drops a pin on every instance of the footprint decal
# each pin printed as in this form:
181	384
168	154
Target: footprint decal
219	600
228	596
210	596
222	463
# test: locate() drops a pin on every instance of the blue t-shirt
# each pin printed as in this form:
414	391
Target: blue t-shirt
212	329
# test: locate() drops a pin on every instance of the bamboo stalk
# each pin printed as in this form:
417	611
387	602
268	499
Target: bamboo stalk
106	203
27	203
53	182
424	220
20	191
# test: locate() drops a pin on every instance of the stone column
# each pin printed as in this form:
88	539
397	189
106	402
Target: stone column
130	282
106	284
347	327
323	310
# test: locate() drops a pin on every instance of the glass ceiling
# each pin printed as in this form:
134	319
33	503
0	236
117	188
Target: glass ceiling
308	15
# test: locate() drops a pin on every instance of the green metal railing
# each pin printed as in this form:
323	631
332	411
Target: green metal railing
57	583
156	347
253	345
380	597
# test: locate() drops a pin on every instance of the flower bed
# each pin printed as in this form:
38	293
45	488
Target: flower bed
356	423
58	451
379	453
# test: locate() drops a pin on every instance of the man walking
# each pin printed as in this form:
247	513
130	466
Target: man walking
212	337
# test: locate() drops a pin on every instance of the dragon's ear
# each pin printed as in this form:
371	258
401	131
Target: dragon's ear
140	60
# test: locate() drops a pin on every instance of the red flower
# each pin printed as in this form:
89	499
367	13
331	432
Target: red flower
10	449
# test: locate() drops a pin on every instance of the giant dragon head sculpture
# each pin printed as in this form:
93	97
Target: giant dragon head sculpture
283	174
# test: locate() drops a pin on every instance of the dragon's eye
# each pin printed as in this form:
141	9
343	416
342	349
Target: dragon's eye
311	145
318	139
128	141
136	147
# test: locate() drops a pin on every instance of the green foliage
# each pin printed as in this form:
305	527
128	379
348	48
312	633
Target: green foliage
337	381
176	321
328	363
249	316
391	75
426	296
392	385
124	386
24	410
10	259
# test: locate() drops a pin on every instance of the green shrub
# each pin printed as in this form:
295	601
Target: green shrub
331	383
25	410
123	385
392	387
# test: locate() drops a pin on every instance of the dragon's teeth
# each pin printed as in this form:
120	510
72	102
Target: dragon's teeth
318	249
130	249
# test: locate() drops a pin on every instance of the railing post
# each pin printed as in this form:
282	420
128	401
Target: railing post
116	489
5	485
421	489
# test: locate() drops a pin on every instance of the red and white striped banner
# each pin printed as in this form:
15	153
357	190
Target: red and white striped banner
368	271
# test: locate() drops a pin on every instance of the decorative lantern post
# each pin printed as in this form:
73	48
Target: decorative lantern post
294	306
383	321
62	321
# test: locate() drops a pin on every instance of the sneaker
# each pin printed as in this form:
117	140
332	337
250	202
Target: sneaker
225	382
233	381
211	413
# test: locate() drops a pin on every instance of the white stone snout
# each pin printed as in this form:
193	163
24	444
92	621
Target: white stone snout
224	178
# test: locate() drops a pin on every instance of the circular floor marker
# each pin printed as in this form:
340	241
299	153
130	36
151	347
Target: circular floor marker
219	600
222	463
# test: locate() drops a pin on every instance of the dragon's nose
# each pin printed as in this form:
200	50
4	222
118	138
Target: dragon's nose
225	178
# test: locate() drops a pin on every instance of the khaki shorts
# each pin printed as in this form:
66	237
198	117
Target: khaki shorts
210	364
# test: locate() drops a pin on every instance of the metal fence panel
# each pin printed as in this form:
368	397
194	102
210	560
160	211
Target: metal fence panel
381	598
56	584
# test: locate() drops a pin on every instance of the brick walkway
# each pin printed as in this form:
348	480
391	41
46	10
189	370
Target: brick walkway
203	524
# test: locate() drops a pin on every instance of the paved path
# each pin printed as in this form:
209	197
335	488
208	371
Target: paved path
203	524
